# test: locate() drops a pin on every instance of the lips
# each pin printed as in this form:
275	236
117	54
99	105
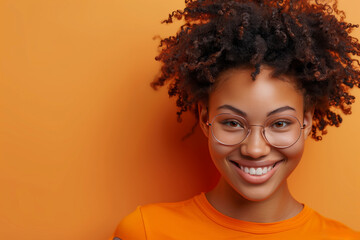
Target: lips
262	165
256	172
256	164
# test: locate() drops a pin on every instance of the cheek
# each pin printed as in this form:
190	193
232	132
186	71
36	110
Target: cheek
216	151
294	153
219	152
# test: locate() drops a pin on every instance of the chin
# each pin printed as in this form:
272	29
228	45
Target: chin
257	193
255	197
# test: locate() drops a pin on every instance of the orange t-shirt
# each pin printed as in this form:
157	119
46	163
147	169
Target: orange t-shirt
196	219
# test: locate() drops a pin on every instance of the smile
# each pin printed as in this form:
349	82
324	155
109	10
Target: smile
258	171
256	174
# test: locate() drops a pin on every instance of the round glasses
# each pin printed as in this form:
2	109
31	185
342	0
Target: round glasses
279	131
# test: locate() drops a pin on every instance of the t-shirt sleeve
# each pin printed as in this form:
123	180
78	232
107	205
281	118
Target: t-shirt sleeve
131	227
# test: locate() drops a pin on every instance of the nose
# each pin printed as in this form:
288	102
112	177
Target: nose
255	146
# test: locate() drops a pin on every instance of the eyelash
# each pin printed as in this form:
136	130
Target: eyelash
227	122
281	121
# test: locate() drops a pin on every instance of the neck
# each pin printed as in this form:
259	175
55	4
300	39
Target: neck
279	206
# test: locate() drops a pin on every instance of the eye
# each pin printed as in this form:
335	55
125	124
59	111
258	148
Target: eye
280	124
233	123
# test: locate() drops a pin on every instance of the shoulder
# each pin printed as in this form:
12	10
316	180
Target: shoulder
172	209
170	217
332	228
155	218
131	227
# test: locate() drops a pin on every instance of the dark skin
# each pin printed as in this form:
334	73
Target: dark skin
234	195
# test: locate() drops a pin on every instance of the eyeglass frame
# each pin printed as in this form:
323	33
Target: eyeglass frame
249	130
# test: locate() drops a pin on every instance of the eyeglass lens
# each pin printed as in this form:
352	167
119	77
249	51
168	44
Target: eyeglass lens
279	131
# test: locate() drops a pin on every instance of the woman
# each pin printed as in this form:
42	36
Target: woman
260	76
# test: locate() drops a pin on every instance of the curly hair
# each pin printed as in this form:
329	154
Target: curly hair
307	39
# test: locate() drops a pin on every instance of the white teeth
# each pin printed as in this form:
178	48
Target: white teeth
259	171
256	171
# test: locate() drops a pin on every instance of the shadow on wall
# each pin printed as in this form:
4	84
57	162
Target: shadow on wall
180	167
153	163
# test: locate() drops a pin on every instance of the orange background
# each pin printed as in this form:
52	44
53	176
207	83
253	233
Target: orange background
84	139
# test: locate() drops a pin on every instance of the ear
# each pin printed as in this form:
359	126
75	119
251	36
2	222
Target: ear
308	116
203	118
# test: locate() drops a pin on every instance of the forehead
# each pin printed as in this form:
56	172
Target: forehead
235	87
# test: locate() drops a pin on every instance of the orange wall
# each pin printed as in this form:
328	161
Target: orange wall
84	139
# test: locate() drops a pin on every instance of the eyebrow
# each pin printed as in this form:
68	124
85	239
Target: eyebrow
281	109
231	108
238	111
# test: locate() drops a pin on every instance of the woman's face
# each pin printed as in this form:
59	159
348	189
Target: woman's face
256	101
